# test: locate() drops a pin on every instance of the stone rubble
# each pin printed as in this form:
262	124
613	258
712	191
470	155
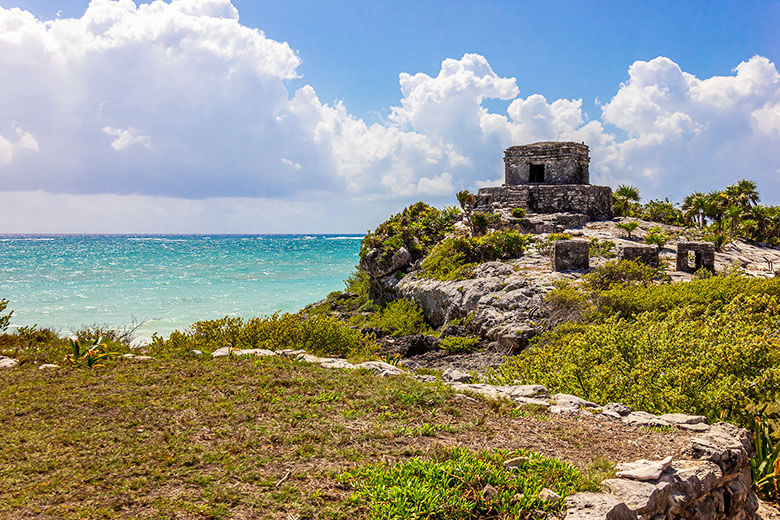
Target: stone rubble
7	362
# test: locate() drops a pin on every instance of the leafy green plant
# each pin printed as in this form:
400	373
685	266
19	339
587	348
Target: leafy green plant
418	228
320	334
628	227
603	248
5	319
518	212
464	485
624	200
90	357
466	199
621	272
459	344
709	347
454	257
400	317
765	465
655	235
480	221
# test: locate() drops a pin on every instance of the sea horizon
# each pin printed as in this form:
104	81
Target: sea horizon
166	281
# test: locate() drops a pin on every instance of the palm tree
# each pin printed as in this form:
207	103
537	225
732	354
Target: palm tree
695	208
743	194
623	197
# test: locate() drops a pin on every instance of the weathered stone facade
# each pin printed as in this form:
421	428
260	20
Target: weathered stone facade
547	163
547	178
702	253
569	255
645	253
593	201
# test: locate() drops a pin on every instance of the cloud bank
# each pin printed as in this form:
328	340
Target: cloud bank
181	102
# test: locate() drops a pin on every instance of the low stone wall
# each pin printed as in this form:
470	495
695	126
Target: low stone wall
594	201
647	254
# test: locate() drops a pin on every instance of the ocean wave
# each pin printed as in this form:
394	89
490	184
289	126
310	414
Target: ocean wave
343	238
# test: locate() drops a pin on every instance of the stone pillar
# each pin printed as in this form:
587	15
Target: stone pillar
569	255
645	253
702	253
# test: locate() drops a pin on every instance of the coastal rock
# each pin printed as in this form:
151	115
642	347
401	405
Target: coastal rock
597	506
548	496
643	469
381	368
454	375
644	419
7	362
408	346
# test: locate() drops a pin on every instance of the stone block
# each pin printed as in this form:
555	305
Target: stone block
645	253
569	255
692	256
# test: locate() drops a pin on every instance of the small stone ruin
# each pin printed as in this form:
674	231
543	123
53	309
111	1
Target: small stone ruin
548	178
692	256
570	255
645	253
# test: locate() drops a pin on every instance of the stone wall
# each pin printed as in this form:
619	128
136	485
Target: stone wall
593	201
564	163
645	253
712	482
569	255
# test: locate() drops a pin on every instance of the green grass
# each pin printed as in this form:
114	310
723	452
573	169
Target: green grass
183	437
460	484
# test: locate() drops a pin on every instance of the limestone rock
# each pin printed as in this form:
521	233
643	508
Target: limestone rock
47	366
644	419
196	353
617	408
681	418
640	497
643	469
381	368
254	352
223	351
548	495
454	375
7	362
597	506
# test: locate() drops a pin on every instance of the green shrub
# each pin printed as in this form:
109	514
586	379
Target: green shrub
628	227
716	364
657	236
603	248
454	258
358	283
718	238
480	222
620	272
33	344
5	319
418	228
453	486
566	303
459	344
399	318
708	346
466	199
518	212
544	247
448	260
319	334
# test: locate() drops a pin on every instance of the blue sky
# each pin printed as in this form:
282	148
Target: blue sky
314	127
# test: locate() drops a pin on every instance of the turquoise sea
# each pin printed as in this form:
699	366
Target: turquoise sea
166	282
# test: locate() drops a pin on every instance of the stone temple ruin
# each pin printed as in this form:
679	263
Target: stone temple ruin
550	180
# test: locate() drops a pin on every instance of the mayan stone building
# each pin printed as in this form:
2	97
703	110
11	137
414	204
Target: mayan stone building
545	178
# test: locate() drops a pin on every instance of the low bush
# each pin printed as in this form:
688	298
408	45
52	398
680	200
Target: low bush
459	344
399	318
319	334
465	485
628	227
454	257
418	228
518	212
709	347
622	272
657	236
602	248
5	319
480	222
